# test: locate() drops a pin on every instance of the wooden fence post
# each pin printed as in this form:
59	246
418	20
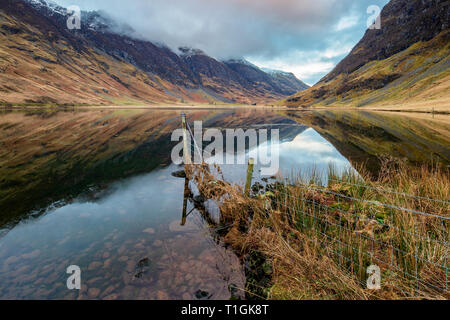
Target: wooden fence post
248	184
187	162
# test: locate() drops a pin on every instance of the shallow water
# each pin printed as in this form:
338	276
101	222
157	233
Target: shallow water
139	219
94	189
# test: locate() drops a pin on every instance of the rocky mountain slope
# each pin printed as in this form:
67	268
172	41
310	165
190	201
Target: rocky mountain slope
407	60
43	62
287	79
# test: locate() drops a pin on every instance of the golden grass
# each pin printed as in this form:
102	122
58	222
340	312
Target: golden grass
320	245
423	83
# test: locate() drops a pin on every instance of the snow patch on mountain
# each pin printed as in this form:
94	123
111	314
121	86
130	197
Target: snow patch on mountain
52	7
276	72
242	61
98	21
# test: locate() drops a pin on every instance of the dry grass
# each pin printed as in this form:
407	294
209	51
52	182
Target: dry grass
320	242
423	82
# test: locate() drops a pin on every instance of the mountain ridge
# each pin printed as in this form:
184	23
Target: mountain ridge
101	66
406	61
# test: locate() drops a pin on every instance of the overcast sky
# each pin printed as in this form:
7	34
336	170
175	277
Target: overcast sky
306	37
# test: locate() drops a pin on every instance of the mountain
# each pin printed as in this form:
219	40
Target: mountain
406	61
104	63
286	78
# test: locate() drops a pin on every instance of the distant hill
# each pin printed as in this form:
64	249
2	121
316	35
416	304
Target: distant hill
43	62
286	78
406	61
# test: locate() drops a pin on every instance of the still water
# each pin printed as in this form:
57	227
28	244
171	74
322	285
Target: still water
95	189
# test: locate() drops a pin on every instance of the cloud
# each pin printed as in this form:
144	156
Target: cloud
310	70
347	22
308	65
261	30
311	152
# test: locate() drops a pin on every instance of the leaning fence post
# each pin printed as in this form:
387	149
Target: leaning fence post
186	151
248	184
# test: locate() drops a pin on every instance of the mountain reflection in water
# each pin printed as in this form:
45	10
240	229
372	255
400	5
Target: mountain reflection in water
95	189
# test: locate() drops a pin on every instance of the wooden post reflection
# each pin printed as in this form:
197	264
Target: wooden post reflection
185	199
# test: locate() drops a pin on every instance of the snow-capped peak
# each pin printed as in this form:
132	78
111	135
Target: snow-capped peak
242	61
94	20
276	72
50	5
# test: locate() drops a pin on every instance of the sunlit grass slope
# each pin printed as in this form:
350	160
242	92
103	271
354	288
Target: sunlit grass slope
420	74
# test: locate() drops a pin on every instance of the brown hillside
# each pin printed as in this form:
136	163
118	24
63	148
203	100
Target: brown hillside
406	61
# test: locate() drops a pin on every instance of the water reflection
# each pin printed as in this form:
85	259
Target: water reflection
306	154
95	189
129	245
363	136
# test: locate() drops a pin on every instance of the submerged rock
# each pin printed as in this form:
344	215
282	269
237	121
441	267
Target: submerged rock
141	268
95	265
107	263
130	266
149	231
12	259
199	200
93	293
186	296
161	295
179	174
108	290
143	263
31	255
202	295
157	243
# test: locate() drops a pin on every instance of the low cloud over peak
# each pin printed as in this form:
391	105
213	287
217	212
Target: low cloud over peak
290	34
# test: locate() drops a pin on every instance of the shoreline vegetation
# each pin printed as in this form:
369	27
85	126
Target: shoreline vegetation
427	108
315	240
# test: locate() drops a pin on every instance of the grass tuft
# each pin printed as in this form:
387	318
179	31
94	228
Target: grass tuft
320	237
